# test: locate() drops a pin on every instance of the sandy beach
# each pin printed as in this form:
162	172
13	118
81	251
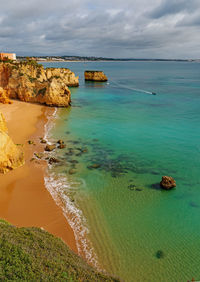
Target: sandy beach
24	200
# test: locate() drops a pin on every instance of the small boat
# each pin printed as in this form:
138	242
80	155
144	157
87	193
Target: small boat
153	93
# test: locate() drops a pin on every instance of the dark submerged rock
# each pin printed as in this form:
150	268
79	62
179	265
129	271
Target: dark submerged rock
53	160
94	166
72	171
131	187
62	146
159	254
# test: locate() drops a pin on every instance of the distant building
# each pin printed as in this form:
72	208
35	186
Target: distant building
9	56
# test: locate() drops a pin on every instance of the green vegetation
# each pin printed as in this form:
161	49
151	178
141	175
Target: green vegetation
32	254
32	79
42	91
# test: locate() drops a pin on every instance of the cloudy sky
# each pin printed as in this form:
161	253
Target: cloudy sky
109	28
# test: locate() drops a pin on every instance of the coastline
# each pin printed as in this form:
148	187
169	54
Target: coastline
24	199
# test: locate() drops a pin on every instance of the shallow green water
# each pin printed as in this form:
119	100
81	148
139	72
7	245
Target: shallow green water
136	138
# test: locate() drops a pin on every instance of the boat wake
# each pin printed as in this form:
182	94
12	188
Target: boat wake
133	89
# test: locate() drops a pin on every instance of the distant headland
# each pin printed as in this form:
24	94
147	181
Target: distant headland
93	59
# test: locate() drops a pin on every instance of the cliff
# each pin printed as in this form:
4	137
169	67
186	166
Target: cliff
98	76
11	156
30	82
4	97
32	254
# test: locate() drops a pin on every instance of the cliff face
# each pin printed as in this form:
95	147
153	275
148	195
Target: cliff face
30	82
4	97
11	156
3	126
98	76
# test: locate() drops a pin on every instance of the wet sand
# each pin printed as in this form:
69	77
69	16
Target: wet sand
24	200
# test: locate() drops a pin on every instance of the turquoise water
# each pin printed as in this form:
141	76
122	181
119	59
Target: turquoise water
134	137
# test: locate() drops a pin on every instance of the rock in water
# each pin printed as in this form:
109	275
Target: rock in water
30	82
11	156
168	182
98	76
49	148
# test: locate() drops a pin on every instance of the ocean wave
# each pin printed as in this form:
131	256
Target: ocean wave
50	124
58	186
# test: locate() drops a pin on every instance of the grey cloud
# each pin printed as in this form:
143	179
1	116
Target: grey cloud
169	7
118	28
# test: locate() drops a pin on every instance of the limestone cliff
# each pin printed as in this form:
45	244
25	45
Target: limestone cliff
4	97
3	126
11	156
98	76
30	82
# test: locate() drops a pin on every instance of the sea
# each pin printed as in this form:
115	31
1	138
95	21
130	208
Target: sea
120	140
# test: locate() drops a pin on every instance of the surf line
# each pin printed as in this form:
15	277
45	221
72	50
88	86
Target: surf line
133	89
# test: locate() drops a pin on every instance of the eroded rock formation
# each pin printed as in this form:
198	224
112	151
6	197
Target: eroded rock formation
30	82
11	155
4	97
98	76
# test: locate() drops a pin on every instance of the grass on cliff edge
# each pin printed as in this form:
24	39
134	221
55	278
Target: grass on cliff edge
32	254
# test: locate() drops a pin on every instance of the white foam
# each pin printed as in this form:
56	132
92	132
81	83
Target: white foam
58	186
131	88
50	124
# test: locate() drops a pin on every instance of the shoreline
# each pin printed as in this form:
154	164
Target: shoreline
24	199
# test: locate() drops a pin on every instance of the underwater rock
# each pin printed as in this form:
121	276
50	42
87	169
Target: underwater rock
131	187
73	161
72	171
159	254
194	205
84	150
62	146
138	189
94	166
53	160
168	182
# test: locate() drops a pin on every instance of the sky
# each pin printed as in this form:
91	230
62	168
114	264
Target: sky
108	28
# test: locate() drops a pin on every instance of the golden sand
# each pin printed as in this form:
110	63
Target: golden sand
24	200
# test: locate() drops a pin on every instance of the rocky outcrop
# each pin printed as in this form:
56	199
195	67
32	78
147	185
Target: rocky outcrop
3	126
11	155
4	97
98	76
168	182
30	82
